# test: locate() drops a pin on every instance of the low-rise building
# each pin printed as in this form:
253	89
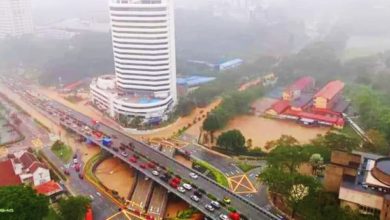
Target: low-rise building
362	182
294	91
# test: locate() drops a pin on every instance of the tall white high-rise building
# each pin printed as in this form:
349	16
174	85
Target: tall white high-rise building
143	39
15	18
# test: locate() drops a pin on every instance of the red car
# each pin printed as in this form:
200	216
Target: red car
143	166
133	160
77	167
151	165
67	172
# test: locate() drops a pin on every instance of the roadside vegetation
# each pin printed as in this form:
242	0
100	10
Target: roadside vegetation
302	196
62	151
214	172
236	103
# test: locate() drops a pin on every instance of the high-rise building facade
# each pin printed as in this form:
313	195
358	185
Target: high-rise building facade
143	39
15	18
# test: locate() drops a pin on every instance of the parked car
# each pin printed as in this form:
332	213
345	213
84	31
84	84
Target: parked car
195	198
193	176
124	153
215	204
77	167
187	186
133	160
181	189
223	217
209	207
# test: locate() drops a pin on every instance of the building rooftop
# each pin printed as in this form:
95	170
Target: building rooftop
49	188
7	174
194	80
302	100
280	106
330	90
27	159
301	83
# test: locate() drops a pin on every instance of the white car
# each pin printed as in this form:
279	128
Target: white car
75	161
124	153
193	176
155	173
187	186
215	204
181	189
209	207
223	217
195	198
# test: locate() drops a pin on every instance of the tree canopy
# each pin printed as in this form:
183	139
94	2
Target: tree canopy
232	141
24	202
74	207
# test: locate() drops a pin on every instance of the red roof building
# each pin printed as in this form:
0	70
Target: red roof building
49	188
27	159
7	174
301	85
329	94
278	107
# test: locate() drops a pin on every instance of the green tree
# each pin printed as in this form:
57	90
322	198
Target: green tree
232	141
337	141
316	161
286	157
25	203
74	207
136	121
276	180
379	143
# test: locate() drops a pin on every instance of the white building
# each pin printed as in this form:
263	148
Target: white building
29	168
15	18
143	38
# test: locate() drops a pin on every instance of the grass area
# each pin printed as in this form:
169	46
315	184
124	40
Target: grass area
62	151
218	175
246	167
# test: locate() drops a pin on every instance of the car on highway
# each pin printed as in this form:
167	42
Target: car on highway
124	153
198	194
209	207
155	173
195	198
215	204
187	186
181	189
133	159
223	217
226	200
66	171
193	176
151	165
143	166
81	176
74	156
115	149
75	161
77	167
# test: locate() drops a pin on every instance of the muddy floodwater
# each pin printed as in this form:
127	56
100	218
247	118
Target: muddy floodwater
116	175
261	130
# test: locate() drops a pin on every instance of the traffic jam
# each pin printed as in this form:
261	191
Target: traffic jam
91	134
